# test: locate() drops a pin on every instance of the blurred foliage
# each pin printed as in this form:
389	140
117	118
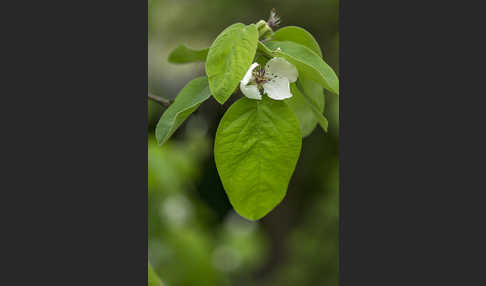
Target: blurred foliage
195	238
153	279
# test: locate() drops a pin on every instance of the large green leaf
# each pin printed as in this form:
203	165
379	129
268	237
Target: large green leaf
305	109
186	102
229	57
182	54
298	35
153	279
256	149
307	62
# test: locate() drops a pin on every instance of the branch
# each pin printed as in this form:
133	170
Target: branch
160	100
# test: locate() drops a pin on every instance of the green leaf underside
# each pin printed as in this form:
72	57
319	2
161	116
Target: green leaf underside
307	62
297	35
312	105
256	149
153	279
229	57
302	107
182	54
186	102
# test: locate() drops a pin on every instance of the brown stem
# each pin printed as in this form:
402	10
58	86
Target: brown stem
160	100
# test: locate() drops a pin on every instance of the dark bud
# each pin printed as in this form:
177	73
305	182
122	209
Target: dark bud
274	19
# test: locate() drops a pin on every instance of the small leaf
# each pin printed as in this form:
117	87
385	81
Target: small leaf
256	149
183	54
308	63
312	104
301	106
186	102
297	35
229	57
153	279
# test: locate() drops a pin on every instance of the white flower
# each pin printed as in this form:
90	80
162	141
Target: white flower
274	80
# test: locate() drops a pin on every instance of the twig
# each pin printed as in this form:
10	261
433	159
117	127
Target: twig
160	100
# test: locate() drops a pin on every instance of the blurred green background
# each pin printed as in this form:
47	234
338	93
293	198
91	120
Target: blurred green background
195	238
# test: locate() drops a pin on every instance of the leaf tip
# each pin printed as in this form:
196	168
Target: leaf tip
251	216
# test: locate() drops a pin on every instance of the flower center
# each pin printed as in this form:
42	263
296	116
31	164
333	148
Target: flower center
259	76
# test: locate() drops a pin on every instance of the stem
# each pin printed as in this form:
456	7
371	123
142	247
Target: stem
265	50
160	100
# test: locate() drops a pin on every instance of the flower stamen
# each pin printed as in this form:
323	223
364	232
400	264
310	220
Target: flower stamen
259	76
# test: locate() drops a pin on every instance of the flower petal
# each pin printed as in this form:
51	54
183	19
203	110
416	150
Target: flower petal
246	79
278	88
281	67
250	91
